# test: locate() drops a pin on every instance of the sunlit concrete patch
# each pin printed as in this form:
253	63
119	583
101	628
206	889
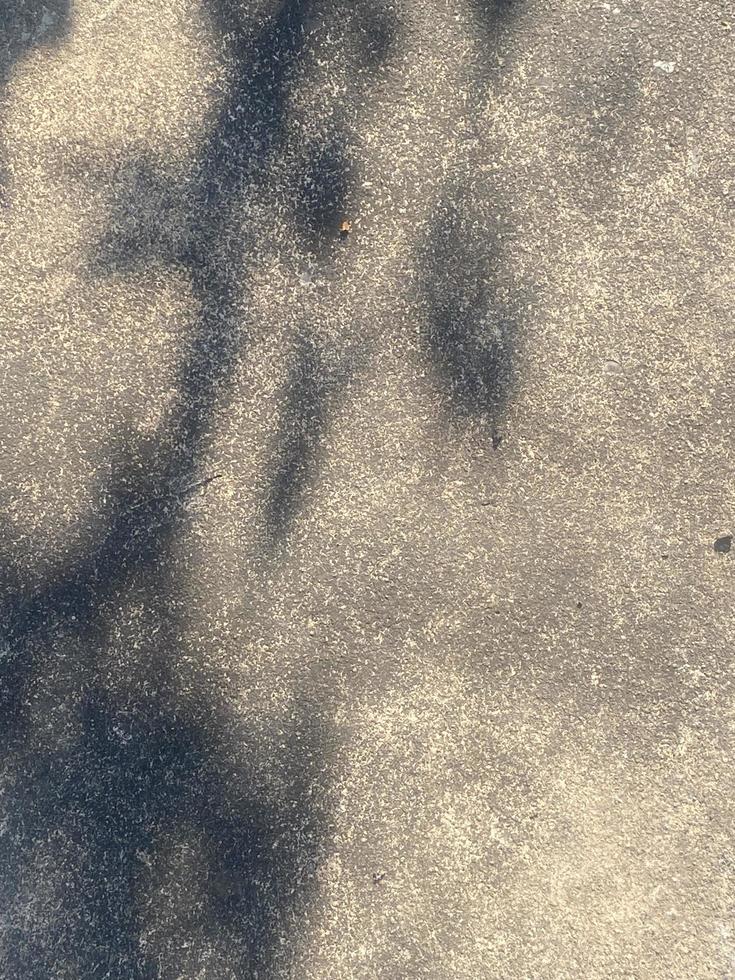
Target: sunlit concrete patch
543	848
91	374
413	883
122	75
624	854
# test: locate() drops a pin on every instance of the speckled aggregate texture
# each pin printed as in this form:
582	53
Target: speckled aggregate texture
367	385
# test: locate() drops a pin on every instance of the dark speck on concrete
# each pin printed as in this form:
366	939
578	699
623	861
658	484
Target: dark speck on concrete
723	544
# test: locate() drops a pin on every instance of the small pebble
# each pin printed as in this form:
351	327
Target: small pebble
612	367
723	544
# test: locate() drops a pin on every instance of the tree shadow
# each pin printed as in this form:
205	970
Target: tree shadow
110	762
192	223
105	798
493	14
473	311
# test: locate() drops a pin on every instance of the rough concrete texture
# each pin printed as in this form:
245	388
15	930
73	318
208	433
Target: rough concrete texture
362	615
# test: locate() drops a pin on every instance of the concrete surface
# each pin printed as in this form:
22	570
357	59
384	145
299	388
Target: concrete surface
362	610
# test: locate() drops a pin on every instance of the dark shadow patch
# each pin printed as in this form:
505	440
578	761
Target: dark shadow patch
472	324
495	20
251	123
26	23
98	802
190	224
379	33
149	220
91	812
493	13
473	311
140	762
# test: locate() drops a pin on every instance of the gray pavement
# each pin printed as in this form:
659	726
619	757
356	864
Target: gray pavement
366	489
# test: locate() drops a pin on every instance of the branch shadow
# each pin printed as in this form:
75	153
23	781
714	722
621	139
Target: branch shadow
494	14
189	224
471	329
308	399
474	313
322	194
112	759
495	19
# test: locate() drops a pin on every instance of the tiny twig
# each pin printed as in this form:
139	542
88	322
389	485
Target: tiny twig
190	487
200	484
